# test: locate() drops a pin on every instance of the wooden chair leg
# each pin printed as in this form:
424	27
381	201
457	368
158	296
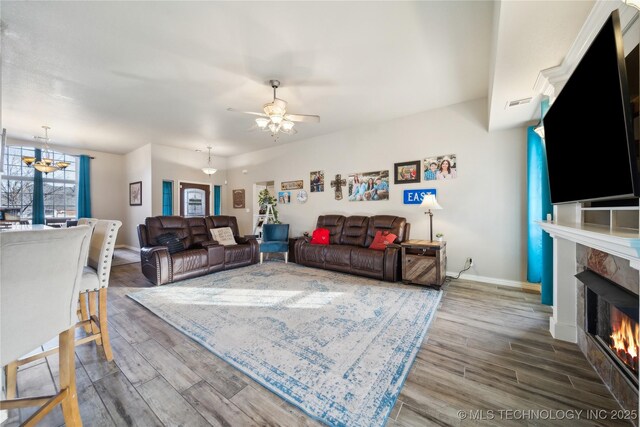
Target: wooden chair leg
286	257
70	408
261	257
93	313
104	327
83	311
12	375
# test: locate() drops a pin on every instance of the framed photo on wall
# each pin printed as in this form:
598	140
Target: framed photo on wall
292	185
368	186
406	172
135	193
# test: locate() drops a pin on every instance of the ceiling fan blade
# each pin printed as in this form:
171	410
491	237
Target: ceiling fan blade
302	118
247	112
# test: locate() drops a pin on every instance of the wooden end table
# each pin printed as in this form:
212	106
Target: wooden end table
424	262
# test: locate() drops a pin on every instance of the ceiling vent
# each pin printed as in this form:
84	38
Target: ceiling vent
517	102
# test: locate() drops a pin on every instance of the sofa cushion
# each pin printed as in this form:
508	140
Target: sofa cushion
381	240
366	260
189	260
218	221
334	224
354	230
223	236
171	241
392	224
338	255
159	225
199	231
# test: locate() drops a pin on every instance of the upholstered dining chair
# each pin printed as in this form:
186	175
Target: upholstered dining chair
275	238
95	280
40	277
91	222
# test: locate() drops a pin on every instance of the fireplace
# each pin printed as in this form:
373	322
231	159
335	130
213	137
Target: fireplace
611	320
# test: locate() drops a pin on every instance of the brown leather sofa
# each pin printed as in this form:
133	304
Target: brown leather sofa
348	249
202	255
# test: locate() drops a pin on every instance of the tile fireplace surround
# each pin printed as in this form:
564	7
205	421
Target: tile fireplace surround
614	255
619	271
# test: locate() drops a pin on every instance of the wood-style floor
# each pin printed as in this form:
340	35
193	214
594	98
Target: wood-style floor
488	348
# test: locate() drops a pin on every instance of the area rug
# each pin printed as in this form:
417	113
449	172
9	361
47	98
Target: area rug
122	256
335	345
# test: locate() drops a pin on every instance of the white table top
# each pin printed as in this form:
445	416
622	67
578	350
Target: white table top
25	227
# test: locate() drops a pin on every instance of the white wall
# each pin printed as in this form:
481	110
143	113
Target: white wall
176	164
484	208
137	168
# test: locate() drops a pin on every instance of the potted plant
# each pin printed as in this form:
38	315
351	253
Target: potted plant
439	237
264	199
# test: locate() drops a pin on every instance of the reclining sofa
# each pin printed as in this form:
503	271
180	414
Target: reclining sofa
348	249
201	254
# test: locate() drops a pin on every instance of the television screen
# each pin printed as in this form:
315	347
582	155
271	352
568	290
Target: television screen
591	153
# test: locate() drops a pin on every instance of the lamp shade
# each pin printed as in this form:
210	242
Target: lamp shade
429	202
209	170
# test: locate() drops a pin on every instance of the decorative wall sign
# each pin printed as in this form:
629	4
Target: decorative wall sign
440	167
414	197
284	197
337	185
238	199
317	181
368	186
407	172
135	193
292	185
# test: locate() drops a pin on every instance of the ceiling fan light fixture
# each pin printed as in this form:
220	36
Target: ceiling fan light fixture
273	127
262	122
277	119
287	125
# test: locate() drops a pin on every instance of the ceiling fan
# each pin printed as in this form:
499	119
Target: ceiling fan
275	118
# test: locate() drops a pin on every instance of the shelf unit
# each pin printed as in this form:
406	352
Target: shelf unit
625	218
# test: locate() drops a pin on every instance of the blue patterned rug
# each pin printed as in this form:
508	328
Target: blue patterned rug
337	346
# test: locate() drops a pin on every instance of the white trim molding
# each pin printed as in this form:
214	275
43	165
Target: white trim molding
491	280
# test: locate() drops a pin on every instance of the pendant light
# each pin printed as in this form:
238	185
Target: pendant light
208	169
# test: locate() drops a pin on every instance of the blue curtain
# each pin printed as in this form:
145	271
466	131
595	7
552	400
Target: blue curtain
216	199
37	207
84	187
167	197
539	244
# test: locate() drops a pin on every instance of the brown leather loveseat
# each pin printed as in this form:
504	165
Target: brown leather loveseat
201	254
348	249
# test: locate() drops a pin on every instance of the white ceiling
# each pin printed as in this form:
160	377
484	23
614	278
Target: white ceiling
113	76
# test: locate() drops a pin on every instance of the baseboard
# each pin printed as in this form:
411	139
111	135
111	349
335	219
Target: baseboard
133	248
563	331
493	280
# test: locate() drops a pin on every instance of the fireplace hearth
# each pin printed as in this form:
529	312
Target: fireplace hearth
611	320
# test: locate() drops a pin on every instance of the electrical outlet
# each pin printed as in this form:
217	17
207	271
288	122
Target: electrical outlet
470	261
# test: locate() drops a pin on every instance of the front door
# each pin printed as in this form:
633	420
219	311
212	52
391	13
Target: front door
194	199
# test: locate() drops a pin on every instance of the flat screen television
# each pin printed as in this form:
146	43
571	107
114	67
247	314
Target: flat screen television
590	148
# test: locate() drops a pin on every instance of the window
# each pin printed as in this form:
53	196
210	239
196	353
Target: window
60	199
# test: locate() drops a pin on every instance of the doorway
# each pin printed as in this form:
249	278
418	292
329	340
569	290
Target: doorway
194	199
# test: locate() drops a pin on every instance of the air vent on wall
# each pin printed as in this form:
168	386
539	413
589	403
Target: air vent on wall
517	102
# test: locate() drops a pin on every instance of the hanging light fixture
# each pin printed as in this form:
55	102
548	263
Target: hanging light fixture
208	169
46	164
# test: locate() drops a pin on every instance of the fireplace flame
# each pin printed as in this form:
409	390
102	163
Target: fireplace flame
624	340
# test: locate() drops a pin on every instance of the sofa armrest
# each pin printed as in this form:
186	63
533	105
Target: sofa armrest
215	252
392	265
156	264
206	244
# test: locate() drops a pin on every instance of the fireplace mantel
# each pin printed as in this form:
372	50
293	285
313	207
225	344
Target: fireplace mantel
622	243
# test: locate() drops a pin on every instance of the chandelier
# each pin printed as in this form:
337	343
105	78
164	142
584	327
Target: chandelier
208	169
46	164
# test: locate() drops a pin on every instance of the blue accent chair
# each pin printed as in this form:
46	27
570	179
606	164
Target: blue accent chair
275	238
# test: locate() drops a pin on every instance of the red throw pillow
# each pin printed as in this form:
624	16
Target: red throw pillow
320	236
381	240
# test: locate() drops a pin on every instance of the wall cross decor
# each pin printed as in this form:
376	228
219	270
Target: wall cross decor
337	185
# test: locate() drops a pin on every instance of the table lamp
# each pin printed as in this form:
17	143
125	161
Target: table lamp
429	202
